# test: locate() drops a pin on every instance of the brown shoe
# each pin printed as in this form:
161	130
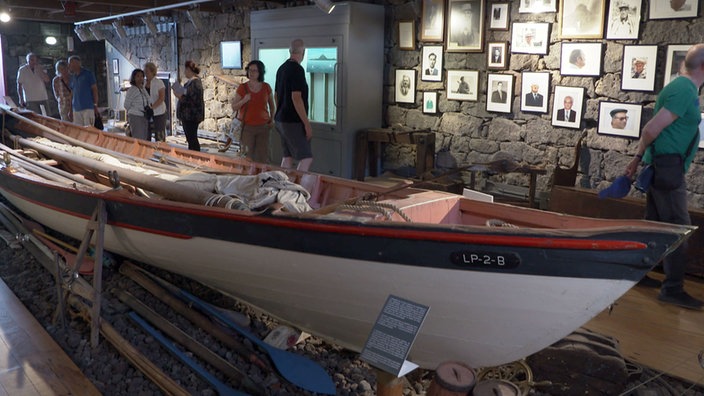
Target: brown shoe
226	146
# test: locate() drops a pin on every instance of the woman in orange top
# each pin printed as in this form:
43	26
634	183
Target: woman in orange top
255	102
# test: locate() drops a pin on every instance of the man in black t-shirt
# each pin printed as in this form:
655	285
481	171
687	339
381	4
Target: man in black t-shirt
292	110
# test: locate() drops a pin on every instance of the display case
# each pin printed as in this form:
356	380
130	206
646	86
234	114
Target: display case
344	65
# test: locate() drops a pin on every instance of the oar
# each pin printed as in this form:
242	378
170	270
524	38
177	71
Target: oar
297	369
216	383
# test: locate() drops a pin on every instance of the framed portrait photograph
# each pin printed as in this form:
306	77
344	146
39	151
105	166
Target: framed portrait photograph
499	94
115	66
619	119
462	85
406	35
405	86
675	61
580	59
537	6
431	63
498	17
530	38
430	102
674	9
639	67
496	55
582	18
433	20
465	25
623	21
535	89
567	106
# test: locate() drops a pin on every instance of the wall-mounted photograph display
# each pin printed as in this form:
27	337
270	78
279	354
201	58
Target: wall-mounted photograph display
499	16
406	35
535	89
462	84
430	102
433	20
465	25
567	106
499	94
674	9
496	55
639	66
582	18
675	61
580	59
537	6
623	21
530	38
405	86
619	119
432	63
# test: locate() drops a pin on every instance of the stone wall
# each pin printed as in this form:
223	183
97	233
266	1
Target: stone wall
472	135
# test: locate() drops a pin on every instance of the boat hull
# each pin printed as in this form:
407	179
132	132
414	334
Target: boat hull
331	278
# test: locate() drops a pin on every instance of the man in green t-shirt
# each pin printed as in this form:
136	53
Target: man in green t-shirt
671	131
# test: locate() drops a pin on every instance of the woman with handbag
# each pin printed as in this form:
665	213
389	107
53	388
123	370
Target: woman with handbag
191	107
255	108
136	102
157	96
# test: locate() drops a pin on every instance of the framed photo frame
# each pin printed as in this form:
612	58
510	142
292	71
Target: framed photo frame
619	119
115	66
116	84
674	9
406	35
430	102
674	61
535	89
465	25
530	38
499	14
496	55
639	67
499	92
568	105
432	22
537	6
405	86
580	59
582	19
623	21
431	63
462	85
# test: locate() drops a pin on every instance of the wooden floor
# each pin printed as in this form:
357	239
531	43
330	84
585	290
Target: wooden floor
31	363
660	336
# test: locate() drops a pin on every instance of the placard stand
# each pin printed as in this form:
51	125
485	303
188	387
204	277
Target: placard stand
391	339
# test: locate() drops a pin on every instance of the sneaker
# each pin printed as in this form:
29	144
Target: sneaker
681	299
649	282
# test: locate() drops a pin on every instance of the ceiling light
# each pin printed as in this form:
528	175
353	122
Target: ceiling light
119	29
149	23
325	5
51	40
5	16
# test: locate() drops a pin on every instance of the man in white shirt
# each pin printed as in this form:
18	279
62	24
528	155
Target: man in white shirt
31	85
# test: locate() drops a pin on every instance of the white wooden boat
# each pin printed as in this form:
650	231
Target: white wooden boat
496	293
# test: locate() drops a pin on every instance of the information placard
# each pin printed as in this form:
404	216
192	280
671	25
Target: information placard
393	334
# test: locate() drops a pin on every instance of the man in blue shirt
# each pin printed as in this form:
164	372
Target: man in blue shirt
85	92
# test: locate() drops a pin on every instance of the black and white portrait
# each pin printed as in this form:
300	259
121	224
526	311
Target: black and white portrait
405	86
431	69
623	21
465	25
582	18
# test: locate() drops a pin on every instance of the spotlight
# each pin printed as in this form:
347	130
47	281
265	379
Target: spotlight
119	29
97	30
51	40
149	23
325	5
194	17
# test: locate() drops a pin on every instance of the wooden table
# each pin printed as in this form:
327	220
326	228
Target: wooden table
369	144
